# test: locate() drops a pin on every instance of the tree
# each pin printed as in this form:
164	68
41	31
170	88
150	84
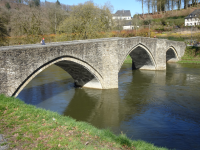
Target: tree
186	4
3	33
161	5
87	20
3	30
142	5
57	2
136	21
35	3
178	4
55	15
148	3
7	5
34	22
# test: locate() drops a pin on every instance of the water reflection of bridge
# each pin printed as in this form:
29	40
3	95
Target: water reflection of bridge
105	108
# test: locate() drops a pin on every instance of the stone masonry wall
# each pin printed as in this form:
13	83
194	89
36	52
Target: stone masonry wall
101	58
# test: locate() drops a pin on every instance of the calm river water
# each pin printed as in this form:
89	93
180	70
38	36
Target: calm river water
161	107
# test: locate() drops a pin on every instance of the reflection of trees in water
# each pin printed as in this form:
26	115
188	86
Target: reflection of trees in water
176	75
99	107
107	108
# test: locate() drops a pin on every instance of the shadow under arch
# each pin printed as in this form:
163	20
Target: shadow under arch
171	55
142	58
85	76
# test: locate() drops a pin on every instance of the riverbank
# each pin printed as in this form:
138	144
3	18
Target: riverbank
28	127
191	55
128	59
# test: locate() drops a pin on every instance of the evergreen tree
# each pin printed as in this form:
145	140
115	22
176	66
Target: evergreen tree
37	2
7	5
57	2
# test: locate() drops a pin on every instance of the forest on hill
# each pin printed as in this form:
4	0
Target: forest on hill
31	19
28	21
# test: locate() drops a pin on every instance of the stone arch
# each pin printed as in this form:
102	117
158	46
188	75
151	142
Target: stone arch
95	80
142	58
171	55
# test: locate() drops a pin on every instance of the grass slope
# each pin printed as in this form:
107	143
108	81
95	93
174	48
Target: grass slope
128	59
191	55
28	127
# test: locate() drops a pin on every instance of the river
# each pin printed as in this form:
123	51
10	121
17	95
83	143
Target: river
161	107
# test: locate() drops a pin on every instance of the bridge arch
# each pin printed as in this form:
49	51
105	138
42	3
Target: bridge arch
171	55
142	58
85	76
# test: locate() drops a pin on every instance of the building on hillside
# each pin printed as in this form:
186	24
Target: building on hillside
128	26
122	15
193	19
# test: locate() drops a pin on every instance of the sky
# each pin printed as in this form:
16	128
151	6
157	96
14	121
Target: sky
134	6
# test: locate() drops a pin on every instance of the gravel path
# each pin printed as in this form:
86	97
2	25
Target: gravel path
3	143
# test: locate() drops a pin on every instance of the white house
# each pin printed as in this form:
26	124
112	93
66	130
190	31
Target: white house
193	18
122	15
128	26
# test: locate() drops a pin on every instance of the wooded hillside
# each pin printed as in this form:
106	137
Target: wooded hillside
32	18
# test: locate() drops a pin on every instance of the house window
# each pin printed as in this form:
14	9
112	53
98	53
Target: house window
187	24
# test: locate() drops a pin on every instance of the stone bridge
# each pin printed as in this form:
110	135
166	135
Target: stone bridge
92	63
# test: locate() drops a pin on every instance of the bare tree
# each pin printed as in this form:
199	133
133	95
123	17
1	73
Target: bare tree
87	20
142	5
55	15
3	29
148	3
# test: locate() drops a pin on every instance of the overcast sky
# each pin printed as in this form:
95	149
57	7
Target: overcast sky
132	5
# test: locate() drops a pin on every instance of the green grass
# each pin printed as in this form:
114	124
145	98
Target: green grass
128	59
173	38
189	61
176	17
176	20
191	55
28	127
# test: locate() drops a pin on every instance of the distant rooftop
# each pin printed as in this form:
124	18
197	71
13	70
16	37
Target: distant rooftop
194	14
122	13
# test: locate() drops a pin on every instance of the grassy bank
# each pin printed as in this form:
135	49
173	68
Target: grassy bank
190	61
28	127
128	59
191	55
